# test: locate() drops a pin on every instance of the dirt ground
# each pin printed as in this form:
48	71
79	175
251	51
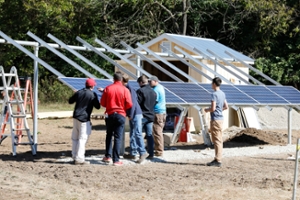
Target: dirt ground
42	177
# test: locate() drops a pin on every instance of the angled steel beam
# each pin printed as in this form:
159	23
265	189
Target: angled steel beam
254	69
106	57
186	62
87	61
222	66
122	57
203	65
168	63
31	55
71	62
151	62
236	68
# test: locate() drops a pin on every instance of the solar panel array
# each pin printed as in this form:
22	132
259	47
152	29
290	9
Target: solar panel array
200	94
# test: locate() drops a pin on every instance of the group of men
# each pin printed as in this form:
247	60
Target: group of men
145	109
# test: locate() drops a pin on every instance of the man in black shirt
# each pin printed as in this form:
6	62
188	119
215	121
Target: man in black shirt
85	100
147	100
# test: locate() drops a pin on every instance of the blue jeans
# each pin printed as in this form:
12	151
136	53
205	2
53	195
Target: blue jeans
114	128
147	126
136	136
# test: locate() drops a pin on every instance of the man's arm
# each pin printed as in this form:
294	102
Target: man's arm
96	103
225	106
73	98
212	107
103	99
128	100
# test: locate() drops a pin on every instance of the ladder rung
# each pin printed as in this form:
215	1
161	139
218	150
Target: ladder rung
21	129
9	74
23	143
18	116
16	102
10	88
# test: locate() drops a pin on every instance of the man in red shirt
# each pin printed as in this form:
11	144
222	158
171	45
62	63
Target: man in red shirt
116	99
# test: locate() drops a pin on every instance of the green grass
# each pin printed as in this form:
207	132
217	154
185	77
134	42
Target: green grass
52	107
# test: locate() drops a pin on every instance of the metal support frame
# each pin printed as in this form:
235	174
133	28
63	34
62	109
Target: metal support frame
222	66
81	57
236	68
122	57
31	55
204	128
254	69
202	65
179	124
62	56
35	97
290	126
168	63
186	62
106	57
138	64
296	170
151	62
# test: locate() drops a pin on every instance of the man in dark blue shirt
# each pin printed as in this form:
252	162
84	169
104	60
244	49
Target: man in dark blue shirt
135	116
85	100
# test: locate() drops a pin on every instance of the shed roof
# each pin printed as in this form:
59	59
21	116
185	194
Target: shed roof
203	44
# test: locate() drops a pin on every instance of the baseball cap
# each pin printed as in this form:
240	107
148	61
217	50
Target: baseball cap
153	78
90	82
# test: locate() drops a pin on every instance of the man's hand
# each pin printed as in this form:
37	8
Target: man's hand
100	89
207	110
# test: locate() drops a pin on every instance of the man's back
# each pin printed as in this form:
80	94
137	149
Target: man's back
147	100
160	106
218	97
116	98
85	101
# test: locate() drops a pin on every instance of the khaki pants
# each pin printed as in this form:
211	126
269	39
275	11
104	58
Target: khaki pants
217	138
158	125
80	134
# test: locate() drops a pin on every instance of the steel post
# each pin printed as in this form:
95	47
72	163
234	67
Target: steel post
35	97
296	170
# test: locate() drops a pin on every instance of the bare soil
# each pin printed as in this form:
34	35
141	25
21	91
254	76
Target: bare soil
43	177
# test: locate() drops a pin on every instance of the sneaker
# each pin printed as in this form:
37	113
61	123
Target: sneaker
150	157
81	163
107	159
214	163
118	163
129	156
142	158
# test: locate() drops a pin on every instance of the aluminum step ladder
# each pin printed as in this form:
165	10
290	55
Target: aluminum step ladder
15	110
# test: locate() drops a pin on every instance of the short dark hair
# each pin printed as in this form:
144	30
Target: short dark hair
217	81
125	78
143	79
118	76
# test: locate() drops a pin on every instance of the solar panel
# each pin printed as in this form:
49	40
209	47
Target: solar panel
262	94
289	93
233	95
79	83
189	92
171	98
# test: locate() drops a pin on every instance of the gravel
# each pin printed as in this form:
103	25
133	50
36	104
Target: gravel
200	155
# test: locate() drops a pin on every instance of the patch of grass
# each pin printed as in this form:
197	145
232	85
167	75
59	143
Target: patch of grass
52	107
